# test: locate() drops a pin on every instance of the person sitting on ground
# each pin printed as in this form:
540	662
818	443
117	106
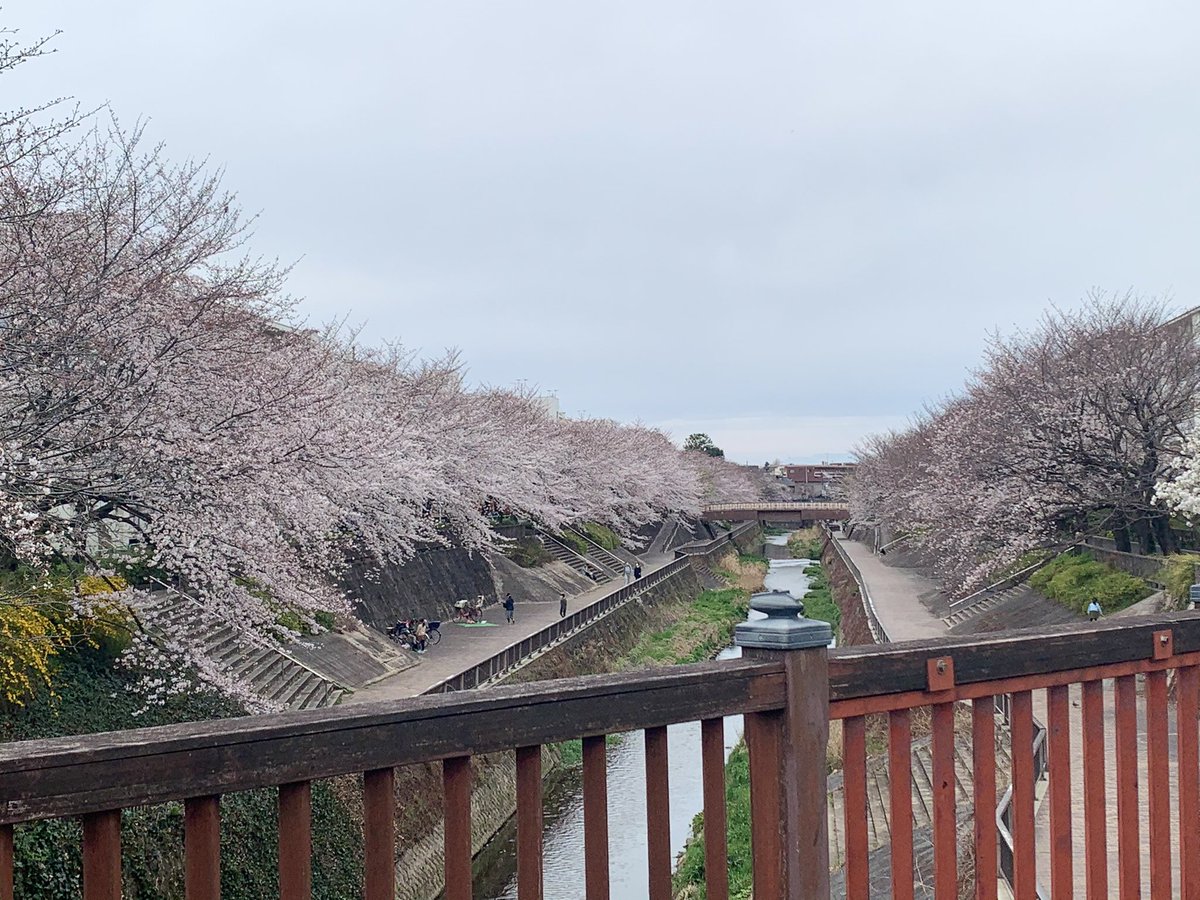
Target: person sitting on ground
1093	611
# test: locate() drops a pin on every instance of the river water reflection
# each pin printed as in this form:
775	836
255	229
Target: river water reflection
563	822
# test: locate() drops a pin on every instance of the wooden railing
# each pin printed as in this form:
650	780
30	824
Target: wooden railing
788	697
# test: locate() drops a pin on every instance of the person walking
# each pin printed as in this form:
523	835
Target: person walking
421	634
628	573
510	608
1093	611
637	571
562	604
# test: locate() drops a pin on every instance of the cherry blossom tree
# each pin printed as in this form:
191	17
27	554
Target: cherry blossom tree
1067	429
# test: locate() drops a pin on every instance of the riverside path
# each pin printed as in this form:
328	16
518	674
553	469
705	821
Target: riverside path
465	646
896	593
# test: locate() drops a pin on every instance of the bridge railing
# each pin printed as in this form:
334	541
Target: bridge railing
884	696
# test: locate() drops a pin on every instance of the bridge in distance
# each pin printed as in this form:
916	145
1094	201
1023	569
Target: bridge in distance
794	511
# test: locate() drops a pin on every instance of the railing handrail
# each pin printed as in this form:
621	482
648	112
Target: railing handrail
76	775
1005	661
504	660
1007	581
1004	811
595	546
777	506
878	632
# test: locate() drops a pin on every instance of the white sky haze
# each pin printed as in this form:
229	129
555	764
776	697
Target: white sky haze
785	224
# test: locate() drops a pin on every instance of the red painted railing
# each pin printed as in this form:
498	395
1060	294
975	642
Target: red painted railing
788	697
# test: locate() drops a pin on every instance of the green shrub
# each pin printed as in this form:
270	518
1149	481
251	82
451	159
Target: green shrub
575	542
1179	574
325	619
528	553
1075	579
605	537
91	695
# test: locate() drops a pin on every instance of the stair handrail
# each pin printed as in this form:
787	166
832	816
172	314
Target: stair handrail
547	536
1004	809
603	550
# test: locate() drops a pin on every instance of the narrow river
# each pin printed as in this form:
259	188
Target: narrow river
495	875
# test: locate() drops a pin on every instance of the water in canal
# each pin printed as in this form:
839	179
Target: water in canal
563	815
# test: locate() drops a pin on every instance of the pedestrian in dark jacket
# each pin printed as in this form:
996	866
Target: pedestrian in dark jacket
562	604
510	607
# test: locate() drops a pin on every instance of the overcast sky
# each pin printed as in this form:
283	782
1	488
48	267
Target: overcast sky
785	224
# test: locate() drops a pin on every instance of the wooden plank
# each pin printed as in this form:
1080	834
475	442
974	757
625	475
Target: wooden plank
1188	762
854	781
861	670
716	848
1062	878
68	776
202	848
1024	847
764	741
456	786
529	823
1158	772
900	791
1095	818
1128	852
6	862
379	834
595	818
295	841
945	825
658	814
983	765
102	856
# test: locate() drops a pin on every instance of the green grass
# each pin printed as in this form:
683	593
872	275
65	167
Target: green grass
605	537
1179	574
806	543
697	635
1075	579
818	602
689	877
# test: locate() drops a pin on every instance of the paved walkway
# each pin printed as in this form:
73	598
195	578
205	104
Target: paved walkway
895	592
465	646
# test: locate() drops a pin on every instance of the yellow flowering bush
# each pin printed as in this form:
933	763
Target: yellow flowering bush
29	639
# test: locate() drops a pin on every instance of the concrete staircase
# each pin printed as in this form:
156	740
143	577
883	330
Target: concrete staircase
603	559
983	604
1017	607
564	554
273	676
878	791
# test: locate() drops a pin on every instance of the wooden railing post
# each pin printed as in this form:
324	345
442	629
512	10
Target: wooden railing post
789	826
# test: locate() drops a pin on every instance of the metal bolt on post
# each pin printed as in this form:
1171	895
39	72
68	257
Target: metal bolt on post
789	830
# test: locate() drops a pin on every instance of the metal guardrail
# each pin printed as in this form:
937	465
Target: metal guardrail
786	506
1004	810
878	632
506	659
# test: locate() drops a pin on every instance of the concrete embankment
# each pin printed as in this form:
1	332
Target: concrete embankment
598	648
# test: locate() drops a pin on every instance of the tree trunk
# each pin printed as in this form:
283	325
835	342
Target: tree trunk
1164	535
1121	533
1141	527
